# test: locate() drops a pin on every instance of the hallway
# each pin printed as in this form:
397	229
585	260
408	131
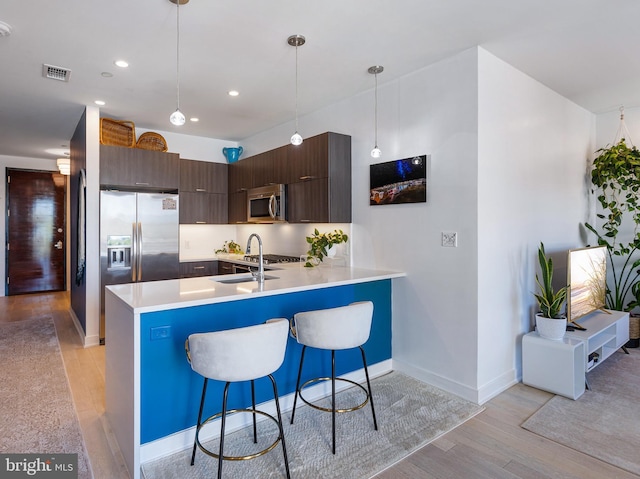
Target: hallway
85	370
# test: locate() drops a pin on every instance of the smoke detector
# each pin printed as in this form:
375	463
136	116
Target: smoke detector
55	73
5	29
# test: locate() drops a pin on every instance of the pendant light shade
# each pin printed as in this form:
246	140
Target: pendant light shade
64	166
374	70
296	41
177	117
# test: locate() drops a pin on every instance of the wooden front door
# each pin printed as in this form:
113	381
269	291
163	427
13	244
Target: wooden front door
36	243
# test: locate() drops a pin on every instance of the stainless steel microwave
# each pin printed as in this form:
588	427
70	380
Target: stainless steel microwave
267	204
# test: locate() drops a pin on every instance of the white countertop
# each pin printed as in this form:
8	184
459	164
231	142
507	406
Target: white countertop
286	278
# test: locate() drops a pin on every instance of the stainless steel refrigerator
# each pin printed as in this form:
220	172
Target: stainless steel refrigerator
138	240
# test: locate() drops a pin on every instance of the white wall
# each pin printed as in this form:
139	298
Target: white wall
21	163
193	147
432	111
497	139
533	185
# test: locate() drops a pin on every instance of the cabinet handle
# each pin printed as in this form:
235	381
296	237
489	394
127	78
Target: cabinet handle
201	189
240	190
307	178
198	267
305	221
201	222
141	184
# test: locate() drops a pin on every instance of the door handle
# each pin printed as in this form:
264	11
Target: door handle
58	245
273	207
139	252
134	247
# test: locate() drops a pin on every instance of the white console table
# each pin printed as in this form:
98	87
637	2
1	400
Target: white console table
560	367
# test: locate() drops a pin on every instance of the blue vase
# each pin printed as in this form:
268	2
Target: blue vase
232	154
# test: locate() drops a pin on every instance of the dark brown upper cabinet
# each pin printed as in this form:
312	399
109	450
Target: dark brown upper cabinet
203	176
139	169
318	175
319	188
203	192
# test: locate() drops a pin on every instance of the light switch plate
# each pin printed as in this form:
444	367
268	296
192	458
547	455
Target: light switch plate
449	239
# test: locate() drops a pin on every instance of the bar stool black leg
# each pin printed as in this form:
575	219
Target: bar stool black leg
284	447
295	397
366	373
253	403
224	418
195	441
333	400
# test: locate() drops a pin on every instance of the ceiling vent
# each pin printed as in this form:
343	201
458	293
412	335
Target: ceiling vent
56	73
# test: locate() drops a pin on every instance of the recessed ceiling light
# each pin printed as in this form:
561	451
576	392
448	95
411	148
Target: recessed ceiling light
107	74
121	63
234	93
100	102
194	119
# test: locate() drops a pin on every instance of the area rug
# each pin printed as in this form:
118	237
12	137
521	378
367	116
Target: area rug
605	421
37	415
410	414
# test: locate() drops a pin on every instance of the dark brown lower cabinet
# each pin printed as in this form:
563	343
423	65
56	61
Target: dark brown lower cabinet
198	268
225	267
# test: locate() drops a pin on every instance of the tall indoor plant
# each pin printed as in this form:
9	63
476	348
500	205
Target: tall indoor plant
551	322
616	173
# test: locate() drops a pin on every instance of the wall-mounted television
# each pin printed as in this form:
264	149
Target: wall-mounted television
399	181
587	280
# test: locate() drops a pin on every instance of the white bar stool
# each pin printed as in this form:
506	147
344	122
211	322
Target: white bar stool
234	355
345	327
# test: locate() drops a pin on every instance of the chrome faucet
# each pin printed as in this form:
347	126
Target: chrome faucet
259	276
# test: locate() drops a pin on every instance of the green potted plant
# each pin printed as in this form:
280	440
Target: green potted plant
321	243
616	173
230	247
551	323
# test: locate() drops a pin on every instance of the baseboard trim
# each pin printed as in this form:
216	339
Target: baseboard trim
477	396
87	341
184	439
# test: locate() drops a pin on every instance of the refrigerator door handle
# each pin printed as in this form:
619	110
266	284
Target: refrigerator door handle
134	252
139	252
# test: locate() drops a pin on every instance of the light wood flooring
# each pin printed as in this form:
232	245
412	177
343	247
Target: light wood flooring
492	445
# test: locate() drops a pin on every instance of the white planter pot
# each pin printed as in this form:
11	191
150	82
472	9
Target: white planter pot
549	328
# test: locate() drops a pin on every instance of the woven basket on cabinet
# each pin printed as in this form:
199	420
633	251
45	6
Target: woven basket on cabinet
151	141
117	132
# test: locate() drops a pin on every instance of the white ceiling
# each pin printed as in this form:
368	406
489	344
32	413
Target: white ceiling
586	50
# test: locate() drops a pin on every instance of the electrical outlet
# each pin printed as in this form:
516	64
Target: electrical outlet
449	239
160	332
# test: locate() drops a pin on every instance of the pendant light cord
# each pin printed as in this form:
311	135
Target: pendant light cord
376	112
296	87
178	53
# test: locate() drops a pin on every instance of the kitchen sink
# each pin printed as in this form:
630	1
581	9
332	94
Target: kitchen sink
245	278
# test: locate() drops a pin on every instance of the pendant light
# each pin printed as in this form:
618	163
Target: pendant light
296	41
64	166
177	117
374	70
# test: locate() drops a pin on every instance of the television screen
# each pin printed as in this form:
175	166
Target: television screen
399	181
587	279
